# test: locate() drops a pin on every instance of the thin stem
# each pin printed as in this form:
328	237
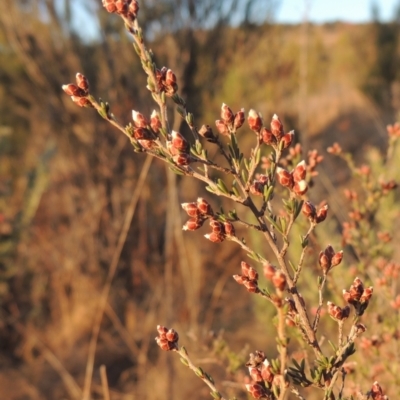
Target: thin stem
303	252
282	348
320	304
200	373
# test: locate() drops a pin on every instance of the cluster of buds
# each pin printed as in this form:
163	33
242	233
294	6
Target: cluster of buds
314	215
167	339
338	313
358	296
335	149
276	136
388	186
219	231
295	180
248	278
328	259
258	185
198	213
262	375
229	121
144	132
166	81
314	159
276	276
376	392
178	147
125	8
79	91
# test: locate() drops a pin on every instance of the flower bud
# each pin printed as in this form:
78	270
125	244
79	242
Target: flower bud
299	172
182	159
82	82
165	345
277	127
217	226
110	6
300	187
279	280
324	262
321	214
215	237
162	330
170	78
73	90
155	122
221	127
193	224
229	229
251	286
269	270
266	372
81	101
139	120
284	177
287	139
204	207
267	137
226	114
172	335
255	374
337	258
309	210
239	119
178	141
191	209
254	120
256	390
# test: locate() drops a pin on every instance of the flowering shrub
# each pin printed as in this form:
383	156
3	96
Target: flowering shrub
271	184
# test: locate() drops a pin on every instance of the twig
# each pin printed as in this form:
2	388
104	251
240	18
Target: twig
104	382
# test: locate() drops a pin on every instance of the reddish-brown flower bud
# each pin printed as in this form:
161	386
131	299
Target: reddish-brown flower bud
81	101
257	188
300	188
337	258
267	137
239	119
178	141
334	149
256	390
251	286
73	90
165	345
337	313
279	280
367	294
147	144
170	78
122	6
142	133
215	237
255	374
191	209
229	229
217	226
221	127
155	122
324	261
110	6
204	207
287	139
172	335
82	82
266	372
240	279
299	172
193	224
182	159
206	132
329	251
227	114
277	127
162	330
269	270
254	120
133	8
249	271
321	214
309	210
285	178
139	120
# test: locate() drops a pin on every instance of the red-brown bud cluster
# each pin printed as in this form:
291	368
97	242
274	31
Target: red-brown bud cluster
276	276
338	313
255	121
198	213
229	121
258	185
334	149
295	180
358	296
167	339
275	136
388	186
310	211
143	131
79	91
261	374
166	81
248	278
126	8
376	392
206	132
328	259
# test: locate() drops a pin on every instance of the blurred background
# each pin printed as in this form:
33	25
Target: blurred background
84	226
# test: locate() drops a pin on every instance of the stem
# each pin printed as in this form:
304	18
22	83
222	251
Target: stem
320	304
282	348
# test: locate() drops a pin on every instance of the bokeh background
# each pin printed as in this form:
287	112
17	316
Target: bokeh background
85	224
